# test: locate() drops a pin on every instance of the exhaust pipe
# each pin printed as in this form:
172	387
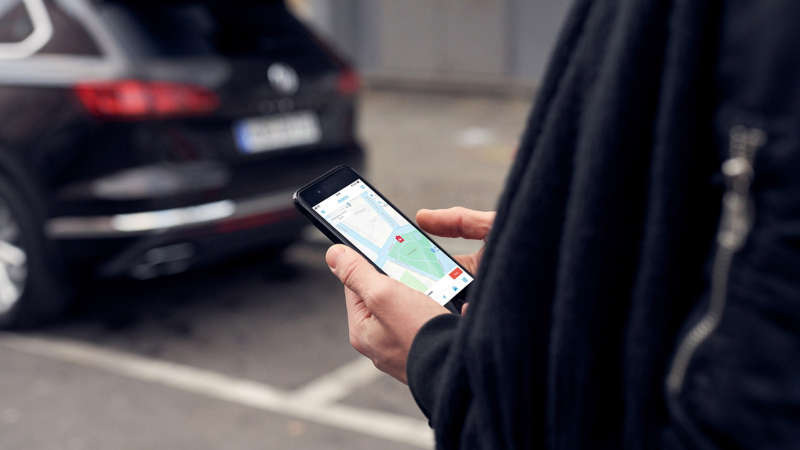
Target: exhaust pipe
162	261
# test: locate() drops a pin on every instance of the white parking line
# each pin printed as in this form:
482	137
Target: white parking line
312	403
336	385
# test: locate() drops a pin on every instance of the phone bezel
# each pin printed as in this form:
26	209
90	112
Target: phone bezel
334	181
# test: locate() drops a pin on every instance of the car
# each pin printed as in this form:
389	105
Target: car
139	139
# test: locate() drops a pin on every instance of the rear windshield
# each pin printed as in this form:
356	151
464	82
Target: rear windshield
206	29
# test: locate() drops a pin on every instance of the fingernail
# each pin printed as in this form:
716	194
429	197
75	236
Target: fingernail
333	255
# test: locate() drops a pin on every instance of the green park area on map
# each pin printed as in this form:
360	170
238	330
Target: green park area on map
412	282
415	251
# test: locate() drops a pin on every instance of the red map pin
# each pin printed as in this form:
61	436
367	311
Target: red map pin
399	239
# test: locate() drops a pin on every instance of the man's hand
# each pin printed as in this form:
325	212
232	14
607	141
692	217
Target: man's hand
383	314
459	223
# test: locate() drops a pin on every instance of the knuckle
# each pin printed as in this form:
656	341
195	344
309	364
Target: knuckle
383	290
356	342
383	362
377	291
360	343
457	226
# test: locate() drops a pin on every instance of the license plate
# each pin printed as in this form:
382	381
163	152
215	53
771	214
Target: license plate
262	134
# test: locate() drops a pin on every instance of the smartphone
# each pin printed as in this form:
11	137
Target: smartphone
350	211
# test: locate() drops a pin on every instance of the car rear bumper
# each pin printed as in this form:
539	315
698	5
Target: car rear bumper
156	243
225	214
166	235
168	253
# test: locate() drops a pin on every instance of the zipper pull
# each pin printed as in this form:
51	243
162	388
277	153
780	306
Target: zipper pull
738	171
734	227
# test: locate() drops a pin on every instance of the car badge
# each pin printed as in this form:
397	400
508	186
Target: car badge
283	78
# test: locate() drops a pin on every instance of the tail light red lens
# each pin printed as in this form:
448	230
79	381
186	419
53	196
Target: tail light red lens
349	82
134	99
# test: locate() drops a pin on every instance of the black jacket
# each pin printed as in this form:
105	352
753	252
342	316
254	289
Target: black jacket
610	256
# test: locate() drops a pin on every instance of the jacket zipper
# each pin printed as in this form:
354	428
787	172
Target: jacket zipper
734	227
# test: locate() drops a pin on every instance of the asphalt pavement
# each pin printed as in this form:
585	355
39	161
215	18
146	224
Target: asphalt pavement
254	353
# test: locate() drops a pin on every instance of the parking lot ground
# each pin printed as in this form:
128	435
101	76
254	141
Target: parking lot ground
253	353
52	405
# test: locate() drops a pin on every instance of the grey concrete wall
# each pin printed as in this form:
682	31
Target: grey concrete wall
482	39
535	25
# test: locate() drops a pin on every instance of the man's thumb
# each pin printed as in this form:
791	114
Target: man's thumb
334	254
355	272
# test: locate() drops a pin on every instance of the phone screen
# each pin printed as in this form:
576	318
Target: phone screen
392	243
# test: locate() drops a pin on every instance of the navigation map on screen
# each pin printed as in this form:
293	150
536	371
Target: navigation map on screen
392	243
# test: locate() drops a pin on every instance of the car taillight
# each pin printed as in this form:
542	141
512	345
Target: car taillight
349	82
134	99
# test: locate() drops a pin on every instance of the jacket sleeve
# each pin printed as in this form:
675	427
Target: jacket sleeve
426	359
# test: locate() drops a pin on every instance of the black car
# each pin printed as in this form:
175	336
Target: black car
141	138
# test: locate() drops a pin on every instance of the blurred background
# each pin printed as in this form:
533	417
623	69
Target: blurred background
157	287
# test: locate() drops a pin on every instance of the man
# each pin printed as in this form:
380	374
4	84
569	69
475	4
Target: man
640	288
